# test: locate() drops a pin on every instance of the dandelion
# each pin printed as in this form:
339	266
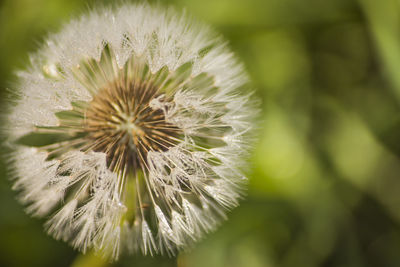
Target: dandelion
129	130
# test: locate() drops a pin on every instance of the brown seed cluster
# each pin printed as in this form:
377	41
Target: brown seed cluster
120	123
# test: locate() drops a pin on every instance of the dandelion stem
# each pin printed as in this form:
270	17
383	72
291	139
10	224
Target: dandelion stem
89	259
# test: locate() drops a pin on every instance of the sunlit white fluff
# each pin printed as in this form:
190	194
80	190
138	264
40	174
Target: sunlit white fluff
185	188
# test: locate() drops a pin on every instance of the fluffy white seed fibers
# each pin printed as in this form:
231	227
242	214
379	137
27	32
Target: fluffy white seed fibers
145	120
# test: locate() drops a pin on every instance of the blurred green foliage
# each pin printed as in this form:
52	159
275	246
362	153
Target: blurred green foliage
325	177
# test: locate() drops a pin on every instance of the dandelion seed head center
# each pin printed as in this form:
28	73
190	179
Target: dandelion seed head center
120	123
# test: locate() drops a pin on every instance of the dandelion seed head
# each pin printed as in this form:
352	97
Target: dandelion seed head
129	131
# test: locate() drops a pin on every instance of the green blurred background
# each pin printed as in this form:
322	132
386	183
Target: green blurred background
325	177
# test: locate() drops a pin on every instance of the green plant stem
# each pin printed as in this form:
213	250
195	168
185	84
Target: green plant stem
89	259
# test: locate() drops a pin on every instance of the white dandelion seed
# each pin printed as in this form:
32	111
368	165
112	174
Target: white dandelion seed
129	130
